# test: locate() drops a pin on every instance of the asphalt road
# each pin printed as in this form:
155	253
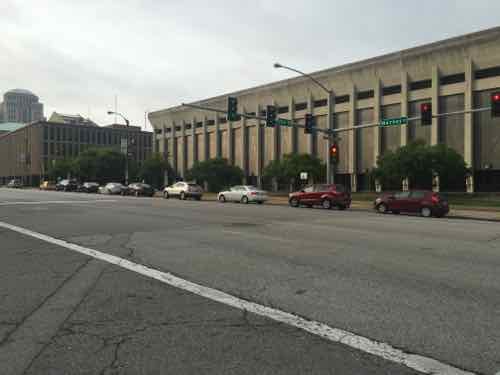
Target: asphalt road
425	286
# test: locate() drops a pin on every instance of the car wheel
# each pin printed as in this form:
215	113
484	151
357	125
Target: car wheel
222	199
165	195
182	196
294	202
259	202
136	193
197	198
244	200
382	208
395	212
326	204
426	212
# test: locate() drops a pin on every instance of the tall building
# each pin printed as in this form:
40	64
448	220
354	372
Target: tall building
457	74
20	106
28	152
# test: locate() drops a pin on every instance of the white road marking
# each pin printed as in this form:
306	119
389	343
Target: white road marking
419	363
27	203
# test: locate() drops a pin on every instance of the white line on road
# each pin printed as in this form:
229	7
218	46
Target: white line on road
22	203
419	363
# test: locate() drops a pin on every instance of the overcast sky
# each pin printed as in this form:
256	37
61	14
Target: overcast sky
76	55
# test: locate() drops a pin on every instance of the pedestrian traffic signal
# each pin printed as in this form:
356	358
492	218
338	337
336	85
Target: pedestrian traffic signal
334	152
232	108
426	113
270	116
310	124
495	104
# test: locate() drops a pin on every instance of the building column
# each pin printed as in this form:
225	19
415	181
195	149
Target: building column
276	133
331	168
311	139
377	116
206	143
293	130
218	148
352	164
259	147
230	142
435	106
195	141
173	149
469	123
183	160
404	107
244	147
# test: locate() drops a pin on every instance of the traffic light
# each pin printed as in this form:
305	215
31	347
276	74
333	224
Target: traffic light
334	152
232	108
495	104
270	116
426	113
310	124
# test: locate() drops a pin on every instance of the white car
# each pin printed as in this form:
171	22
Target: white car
243	194
183	190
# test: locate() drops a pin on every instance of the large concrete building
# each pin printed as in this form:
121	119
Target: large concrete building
20	106
26	153
455	75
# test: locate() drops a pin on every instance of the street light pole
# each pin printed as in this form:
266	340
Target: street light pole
330	167
127	123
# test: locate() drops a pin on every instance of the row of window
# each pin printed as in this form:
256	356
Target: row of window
70	150
93	136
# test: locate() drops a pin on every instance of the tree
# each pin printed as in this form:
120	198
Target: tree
217	173
100	165
288	169
418	162
61	169
153	171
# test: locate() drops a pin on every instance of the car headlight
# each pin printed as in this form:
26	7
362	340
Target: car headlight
378	200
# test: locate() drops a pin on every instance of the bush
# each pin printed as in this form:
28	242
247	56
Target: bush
217	173
153	171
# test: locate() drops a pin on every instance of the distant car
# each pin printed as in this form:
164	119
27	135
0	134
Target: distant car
325	195
15	184
113	188
88	187
140	189
243	194
48	185
183	190
67	185
427	203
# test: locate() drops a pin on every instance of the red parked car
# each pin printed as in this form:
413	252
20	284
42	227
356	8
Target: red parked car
427	203
327	196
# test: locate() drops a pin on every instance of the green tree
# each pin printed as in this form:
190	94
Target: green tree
418	162
217	173
153	171
61	169
288	169
101	165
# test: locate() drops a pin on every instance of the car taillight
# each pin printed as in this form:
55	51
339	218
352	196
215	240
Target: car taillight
435	199
253	193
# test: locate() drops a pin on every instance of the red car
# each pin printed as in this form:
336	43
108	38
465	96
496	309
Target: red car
327	196
427	203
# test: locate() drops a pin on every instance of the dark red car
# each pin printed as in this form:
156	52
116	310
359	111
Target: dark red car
327	196
427	203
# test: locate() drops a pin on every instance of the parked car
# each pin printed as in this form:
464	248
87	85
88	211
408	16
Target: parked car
328	196
243	194
88	187
140	189
15	184
183	190
427	203
67	185
48	185
113	188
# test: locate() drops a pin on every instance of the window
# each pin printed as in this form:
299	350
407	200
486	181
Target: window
308	189
453	78
283	109
417	195
157	131
168	130
487	73
199	124
365	94
222	120
342	99
45	133
251	113
391	90
210	122
301	106
177	128
402	195
45	148
320	103
420	85
188	126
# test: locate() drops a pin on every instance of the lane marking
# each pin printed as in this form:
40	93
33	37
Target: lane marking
379	349
22	203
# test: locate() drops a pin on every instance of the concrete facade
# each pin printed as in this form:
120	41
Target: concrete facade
28	152
456	74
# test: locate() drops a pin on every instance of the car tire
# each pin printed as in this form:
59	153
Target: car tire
341	207
260	202
426	212
294	202
165	195
382	208
182	196
197	198
222	199
395	212
244	199
136	193
326	204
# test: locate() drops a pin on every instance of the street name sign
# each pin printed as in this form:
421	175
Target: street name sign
394	121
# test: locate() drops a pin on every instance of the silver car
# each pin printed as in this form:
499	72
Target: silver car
183	190
113	188
243	194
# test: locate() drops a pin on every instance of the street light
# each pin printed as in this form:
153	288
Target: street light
330	167
127	123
